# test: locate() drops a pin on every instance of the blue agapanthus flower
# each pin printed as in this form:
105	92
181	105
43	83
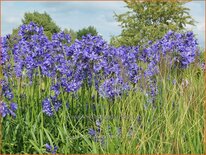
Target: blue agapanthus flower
5	110
91	62
51	105
6	90
47	107
49	148
92	132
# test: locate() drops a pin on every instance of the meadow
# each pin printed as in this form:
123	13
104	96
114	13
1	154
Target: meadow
91	97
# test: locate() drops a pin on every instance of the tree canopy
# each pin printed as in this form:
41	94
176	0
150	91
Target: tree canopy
88	30
148	21
42	19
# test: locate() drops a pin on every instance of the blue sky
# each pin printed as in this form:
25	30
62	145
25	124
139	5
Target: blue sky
76	15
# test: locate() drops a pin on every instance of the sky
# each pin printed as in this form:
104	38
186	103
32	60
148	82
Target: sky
77	15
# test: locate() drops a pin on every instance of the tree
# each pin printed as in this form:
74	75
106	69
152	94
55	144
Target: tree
149	20
89	30
41	19
115	41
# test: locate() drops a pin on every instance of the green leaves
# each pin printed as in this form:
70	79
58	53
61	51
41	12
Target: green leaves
42	19
89	30
147	21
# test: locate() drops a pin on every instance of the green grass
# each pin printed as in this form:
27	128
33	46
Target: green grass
174	125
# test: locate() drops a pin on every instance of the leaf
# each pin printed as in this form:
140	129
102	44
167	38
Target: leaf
35	146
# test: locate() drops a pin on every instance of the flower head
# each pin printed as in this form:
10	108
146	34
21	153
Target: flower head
4	109
49	148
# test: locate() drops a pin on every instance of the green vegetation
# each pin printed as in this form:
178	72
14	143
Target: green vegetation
174	126
89	30
147	21
41	19
87	122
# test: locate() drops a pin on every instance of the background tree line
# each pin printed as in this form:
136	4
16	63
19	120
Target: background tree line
145	21
50	27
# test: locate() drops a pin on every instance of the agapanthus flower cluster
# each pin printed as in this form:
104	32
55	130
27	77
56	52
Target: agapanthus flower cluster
50	149
51	105
8	110
30	51
6	90
5	56
113	87
91	62
181	48
7	93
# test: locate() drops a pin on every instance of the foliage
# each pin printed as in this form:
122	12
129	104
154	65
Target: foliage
89	30
41	19
148	21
